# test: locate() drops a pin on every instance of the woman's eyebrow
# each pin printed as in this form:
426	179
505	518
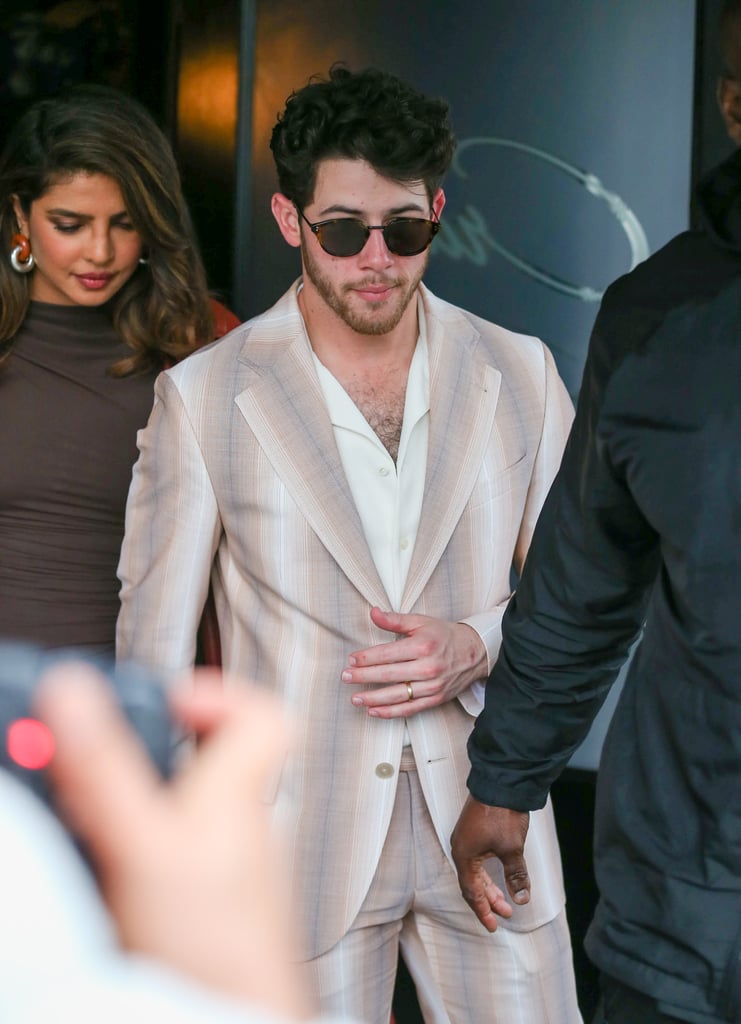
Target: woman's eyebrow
59	211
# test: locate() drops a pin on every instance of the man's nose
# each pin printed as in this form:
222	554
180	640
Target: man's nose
375	252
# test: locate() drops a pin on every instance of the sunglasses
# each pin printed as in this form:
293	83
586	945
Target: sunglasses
346	236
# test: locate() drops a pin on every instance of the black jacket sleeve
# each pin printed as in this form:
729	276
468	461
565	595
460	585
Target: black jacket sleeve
581	601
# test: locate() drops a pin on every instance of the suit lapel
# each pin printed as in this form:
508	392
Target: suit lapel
464	389
285	408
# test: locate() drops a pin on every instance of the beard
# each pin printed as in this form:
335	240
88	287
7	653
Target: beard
372	318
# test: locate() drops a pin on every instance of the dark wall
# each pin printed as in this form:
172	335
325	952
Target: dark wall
206	38
47	44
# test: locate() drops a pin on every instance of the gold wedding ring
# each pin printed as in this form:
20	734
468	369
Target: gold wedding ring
410	691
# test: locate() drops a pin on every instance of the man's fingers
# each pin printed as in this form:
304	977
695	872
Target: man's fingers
392	622
396	653
517	878
485	898
103	777
484	912
497	900
511	852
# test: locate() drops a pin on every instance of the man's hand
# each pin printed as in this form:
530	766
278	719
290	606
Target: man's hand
483	832
433	663
190	869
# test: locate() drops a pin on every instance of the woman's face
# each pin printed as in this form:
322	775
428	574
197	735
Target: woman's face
82	240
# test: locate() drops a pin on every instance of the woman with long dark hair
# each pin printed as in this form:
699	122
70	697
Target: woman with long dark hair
101	286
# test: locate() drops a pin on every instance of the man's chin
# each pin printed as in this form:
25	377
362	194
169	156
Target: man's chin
375	318
374	325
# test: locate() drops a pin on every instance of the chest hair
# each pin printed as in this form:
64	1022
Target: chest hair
382	404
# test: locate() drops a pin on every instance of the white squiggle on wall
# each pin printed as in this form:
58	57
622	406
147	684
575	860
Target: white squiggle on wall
470	238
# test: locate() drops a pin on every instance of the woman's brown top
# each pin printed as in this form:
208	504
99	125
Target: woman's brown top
68	431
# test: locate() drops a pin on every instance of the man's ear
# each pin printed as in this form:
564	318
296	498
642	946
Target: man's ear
438	202
287	218
728	93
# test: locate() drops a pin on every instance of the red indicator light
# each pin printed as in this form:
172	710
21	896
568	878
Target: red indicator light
30	743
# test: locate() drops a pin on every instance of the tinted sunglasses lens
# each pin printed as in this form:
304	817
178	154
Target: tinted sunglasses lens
409	237
344	237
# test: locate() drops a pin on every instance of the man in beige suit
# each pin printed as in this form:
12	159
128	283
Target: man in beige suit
356	471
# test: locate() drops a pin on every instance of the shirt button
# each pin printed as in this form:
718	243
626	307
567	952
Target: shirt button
384	770
383	471
404	544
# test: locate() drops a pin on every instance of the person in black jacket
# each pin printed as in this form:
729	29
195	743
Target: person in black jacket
639	541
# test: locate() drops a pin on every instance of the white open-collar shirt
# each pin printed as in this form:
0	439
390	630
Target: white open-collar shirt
388	495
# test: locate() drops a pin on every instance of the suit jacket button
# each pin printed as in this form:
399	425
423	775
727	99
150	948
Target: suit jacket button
384	770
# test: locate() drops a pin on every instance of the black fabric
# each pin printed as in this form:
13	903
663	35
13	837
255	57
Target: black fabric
69	444
623	1005
640	539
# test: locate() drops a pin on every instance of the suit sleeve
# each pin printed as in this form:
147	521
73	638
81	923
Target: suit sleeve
172	532
579	606
558	413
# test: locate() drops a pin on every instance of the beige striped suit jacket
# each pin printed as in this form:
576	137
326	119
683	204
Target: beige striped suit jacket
239	480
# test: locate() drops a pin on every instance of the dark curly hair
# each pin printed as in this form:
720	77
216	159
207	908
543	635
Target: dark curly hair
366	115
